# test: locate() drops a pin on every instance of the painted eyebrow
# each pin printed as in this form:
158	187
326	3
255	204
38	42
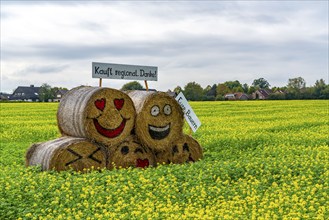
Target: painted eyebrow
122	143
139	150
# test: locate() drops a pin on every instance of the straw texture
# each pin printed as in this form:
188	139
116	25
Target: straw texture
130	153
67	153
159	120
103	115
186	149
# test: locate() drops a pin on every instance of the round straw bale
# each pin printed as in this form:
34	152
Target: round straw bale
66	153
186	149
159	120
103	115
163	157
130	153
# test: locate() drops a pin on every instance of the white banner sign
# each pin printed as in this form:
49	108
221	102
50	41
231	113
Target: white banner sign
189	114
122	71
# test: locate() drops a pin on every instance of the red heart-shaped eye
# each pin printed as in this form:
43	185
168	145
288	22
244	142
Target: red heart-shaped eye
119	103
100	104
142	163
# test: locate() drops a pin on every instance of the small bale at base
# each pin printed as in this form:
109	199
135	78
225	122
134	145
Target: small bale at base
67	153
186	149
163	157
130	153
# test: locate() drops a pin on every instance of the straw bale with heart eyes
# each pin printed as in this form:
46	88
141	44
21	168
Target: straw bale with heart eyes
103	115
67	153
159	120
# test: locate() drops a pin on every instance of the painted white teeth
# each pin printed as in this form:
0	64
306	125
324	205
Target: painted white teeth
159	129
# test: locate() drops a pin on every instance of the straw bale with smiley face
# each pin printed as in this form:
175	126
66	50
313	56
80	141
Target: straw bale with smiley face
103	115
159	120
67	153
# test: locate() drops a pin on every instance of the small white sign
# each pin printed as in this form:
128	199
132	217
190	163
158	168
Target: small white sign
189	114
123	71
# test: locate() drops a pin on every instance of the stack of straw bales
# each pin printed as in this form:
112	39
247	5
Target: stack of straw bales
159	126
106	128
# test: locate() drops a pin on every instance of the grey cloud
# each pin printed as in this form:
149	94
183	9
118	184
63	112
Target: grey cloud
196	51
43	69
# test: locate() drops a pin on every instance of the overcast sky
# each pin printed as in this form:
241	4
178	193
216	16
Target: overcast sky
203	41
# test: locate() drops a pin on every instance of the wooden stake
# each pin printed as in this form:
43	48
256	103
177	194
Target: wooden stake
100	82
146	86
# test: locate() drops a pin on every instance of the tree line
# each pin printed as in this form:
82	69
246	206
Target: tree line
47	92
295	89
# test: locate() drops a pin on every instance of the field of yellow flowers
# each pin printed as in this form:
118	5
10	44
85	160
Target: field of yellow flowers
262	160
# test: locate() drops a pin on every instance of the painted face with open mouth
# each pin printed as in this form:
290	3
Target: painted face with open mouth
160	132
160	122
130	153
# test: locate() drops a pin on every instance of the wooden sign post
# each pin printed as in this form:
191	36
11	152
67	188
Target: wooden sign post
124	72
146	86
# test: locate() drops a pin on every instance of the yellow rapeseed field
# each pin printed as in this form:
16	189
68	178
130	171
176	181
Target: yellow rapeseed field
262	160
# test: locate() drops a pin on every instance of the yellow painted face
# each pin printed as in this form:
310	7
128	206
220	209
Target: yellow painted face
80	156
111	116
130	153
161	121
185	150
181	153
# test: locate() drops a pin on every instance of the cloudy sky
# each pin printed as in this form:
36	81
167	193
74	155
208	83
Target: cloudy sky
203	41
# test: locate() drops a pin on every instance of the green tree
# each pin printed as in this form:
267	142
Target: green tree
245	88
251	90
222	89
324	94
261	83
206	90
233	84
295	87
296	84
193	91
210	93
45	92
178	89
134	85
319	86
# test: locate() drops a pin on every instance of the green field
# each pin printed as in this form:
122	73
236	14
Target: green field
262	160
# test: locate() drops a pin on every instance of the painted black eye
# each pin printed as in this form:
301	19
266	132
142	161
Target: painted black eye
125	150
139	150
155	110
185	147
167	109
174	149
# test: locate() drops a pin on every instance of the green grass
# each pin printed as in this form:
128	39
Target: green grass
262	160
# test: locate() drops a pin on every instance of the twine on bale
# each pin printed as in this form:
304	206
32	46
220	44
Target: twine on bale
103	115
186	149
67	153
159	120
130	153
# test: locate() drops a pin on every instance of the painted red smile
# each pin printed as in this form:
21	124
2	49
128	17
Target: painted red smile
142	163
110	133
